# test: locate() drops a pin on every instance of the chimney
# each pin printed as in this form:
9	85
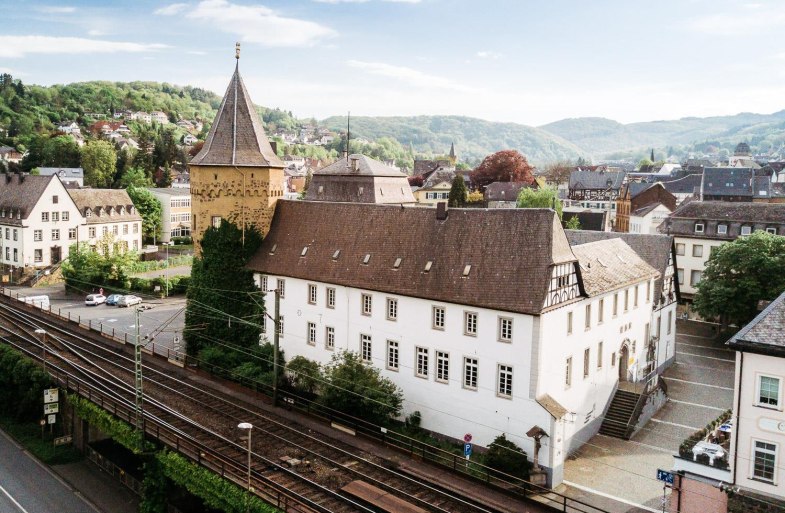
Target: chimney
441	211
354	162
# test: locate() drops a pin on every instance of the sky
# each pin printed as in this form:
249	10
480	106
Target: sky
525	61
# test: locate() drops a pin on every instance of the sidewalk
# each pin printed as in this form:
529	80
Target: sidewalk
104	492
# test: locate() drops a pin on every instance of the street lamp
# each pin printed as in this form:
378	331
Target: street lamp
42	332
166	272
249	427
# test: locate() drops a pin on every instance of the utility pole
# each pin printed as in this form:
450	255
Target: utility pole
42	332
276	334
138	372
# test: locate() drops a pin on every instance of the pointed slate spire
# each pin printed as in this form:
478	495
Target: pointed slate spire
452	150
237	136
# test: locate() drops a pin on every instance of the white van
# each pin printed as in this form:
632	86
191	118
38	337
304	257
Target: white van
41	302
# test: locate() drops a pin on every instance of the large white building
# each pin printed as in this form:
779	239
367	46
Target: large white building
175	212
109	219
488	320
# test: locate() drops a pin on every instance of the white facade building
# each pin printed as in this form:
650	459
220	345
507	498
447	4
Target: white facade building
648	219
111	222
486	338
175	211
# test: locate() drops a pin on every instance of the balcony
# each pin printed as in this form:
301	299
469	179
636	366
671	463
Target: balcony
705	452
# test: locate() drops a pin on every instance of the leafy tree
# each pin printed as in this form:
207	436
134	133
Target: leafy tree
223	302
505	456
134	177
358	389
99	159
738	275
149	208
503	166
544	197
645	163
573	223
46	151
458	192
559	172
304	374
88	268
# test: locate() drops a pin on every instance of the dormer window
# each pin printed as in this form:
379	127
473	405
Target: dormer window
699	227
397	263
722	229
272	249
122	211
366	259
2	213
304	251
111	211
466	270
746	230
772	231
88	212
428	266
336	254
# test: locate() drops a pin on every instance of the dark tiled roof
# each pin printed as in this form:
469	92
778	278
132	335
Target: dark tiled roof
758	216
645	210
63	172
592	221
580	179
610	264
364	166
237	135
20	193
104	198
765	334
654	249
728	181
509	250
361	179
689	184
504	191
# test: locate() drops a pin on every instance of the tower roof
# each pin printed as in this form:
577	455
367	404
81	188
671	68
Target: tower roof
237	136
452	150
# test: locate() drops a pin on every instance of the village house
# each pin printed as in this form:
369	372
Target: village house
111	223
644	201
10	155
159	117
504	194
737	184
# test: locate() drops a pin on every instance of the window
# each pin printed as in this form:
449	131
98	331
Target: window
44	216
442	367
626	300
366	304
15	234
38	235
615	304
698	227
768	391
722	229
16	255
505	381
281	286
55	234
613	359
7	253
586	356
104	230
263	283
125	229
39	255
392	355
72	234
680	276
772	231
765	461
329	338
695	277
311	294
697	250
136	228
569	323
470	367
437	318
568	372
136	244
330	297
392	309
91	232
215	221
746	230
470	324
600	311
421	369
599	355
280	326
635	297
587	322
312	333
7	233
365	348
680	249
115	230
648	291
54	199
505	329
55	216
670	322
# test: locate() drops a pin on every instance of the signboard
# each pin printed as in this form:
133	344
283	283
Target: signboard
63	440
665	476
467	437
50	408
50	419
467	450
51	395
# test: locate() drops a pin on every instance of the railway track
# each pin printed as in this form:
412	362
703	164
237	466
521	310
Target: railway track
290	466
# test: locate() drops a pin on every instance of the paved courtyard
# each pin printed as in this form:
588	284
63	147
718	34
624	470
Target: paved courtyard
700	388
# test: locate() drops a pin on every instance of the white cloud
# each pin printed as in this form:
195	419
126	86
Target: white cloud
10	71
259	24
196	52
19	46
484	54
755	19
340	1
55	9
409	76
170	10
96	32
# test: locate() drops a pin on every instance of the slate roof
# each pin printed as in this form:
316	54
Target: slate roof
510	251
765	334
104	198
728	181
733	214
65	173
582	179
656	250
365	166
504	191
689	184
237	135
360	179
610	264
20	193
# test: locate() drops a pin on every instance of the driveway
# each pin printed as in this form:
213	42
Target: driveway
700	388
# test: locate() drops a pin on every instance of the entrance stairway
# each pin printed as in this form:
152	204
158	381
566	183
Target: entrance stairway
619	421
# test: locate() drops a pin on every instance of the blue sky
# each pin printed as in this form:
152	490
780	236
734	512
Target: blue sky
525	61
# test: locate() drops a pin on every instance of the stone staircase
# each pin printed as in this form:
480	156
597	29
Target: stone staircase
619	421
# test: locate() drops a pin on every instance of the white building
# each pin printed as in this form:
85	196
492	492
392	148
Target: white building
159	117
648	218
175	211
38	221
758	436
487	319
111	222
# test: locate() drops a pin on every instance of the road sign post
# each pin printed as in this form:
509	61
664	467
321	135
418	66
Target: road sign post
467	450
665	476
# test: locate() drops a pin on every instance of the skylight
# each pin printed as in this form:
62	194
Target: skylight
467	269
367	259
304	251
397	263
336	254
428	265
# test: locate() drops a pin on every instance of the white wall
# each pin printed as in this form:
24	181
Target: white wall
648	224
688	263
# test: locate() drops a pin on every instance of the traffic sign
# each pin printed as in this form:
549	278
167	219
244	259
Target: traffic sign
467	450
50	408
50	419
665	476
467	437
51	395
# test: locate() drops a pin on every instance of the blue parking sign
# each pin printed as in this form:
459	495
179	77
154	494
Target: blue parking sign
665	476
467	450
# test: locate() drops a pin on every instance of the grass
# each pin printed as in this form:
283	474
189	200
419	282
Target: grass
28	434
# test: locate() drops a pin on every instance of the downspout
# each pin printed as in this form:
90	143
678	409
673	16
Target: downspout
738	426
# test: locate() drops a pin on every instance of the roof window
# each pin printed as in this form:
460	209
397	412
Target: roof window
466	270
272	249
397	263
428	266
304	251
336	254
366	259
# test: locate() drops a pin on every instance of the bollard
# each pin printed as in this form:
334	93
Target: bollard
89	324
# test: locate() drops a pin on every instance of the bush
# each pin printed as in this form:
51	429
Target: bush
304	375
182	240
506	457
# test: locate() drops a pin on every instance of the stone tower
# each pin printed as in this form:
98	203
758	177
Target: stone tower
237	176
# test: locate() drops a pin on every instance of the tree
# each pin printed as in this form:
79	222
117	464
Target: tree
573	223
304	374
458	192
503	166
358	389
99	159
544	197
738	275
224	304
505	456
88	268
134	177
149	208
558	172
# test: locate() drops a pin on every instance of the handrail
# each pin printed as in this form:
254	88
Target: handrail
647	390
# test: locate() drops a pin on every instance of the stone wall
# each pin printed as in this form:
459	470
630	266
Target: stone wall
745	501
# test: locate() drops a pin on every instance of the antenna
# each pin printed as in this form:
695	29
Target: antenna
348	134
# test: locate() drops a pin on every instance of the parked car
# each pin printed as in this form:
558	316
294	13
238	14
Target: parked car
94	299
112	299
129	300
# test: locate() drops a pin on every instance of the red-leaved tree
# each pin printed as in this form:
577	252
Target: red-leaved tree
502	166
416	181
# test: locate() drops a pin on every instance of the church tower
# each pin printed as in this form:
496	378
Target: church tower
237	175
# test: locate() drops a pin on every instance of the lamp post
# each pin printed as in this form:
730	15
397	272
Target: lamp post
166	272
42	332
247	426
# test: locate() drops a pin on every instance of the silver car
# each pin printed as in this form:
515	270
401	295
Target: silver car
129	300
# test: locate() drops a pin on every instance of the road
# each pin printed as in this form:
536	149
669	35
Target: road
26	486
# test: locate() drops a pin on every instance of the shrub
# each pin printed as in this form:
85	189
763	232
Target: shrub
506	457
304	375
